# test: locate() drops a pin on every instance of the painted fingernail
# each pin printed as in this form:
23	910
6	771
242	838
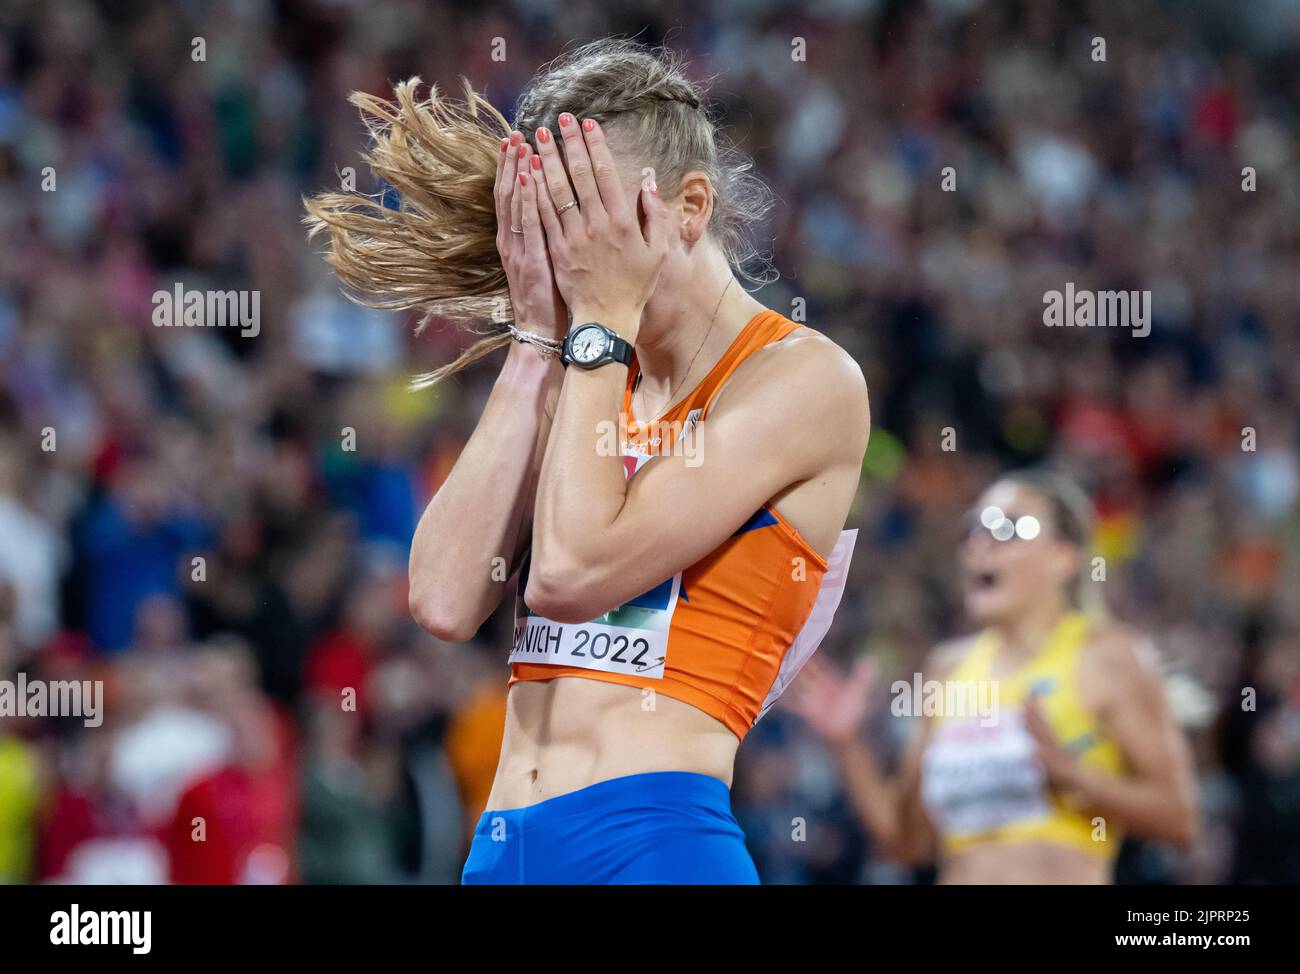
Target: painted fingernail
589	125
537	162
504	144
543	135
516	138
523	179
566	119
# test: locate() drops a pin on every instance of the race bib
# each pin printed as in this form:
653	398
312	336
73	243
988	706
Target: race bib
980	778
632	639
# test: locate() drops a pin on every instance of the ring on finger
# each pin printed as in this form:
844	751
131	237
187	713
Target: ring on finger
566	206
516	230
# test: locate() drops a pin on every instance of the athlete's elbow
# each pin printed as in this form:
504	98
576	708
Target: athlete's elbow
902	850
1185	826
555	601
1177	823
890	840
559	589
441	617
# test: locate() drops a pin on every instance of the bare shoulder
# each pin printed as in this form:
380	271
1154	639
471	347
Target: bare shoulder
805	376
946	656
1121	649
1117	662
814	363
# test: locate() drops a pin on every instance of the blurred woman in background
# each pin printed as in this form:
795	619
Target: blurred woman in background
1047	735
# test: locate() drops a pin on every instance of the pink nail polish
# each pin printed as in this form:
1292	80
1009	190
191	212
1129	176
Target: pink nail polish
566	119
543	135
505	144
516	138
589	126
537	162
523	179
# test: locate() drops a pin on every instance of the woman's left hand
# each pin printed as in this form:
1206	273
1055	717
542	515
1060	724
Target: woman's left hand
606	266
1059	764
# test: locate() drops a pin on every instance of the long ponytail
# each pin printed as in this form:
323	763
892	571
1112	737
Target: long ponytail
436	251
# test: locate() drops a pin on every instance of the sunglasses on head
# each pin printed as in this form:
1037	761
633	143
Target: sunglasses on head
1003	525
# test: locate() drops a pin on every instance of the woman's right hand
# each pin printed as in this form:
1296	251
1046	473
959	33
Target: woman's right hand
537	304
834	704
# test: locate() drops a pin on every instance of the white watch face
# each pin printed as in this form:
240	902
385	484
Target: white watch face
589	344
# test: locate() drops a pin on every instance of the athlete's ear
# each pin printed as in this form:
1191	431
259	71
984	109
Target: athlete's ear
695	205
658	218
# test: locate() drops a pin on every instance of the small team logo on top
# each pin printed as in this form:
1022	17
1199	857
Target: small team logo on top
1044	686
632	463
659	438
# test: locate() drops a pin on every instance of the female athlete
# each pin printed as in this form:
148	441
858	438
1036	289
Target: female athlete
1046	737
665	464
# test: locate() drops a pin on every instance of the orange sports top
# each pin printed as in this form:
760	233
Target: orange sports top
726	634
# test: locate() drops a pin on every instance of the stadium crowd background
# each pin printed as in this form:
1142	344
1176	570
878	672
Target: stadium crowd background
225	692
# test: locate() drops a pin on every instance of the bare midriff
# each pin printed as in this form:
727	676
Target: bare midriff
1033	863
565	734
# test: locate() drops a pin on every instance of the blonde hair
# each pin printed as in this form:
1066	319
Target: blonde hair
1074	518
436	252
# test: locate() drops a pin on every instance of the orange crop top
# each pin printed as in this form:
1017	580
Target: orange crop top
726	634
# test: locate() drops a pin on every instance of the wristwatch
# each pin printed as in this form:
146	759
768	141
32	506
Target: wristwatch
592	345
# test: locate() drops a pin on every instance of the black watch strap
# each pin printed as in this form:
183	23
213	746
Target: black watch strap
619	350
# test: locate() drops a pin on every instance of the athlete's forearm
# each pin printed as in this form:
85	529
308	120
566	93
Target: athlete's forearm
1153	810
481	512
876	801
581	489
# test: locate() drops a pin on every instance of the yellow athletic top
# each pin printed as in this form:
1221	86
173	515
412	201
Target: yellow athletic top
981	781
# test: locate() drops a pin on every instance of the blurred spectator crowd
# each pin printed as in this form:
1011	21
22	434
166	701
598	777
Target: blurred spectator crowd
216	526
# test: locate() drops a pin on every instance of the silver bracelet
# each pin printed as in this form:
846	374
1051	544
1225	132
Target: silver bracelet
548	347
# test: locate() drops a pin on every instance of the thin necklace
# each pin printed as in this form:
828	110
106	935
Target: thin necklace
687	373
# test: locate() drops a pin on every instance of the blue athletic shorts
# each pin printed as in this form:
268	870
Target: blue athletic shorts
666	827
